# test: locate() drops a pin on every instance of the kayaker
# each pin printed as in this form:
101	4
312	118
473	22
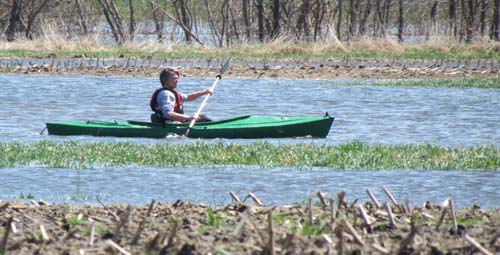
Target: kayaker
167	103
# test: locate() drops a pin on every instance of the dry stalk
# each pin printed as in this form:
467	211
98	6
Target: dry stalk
141	224
477	245
235	198
380	249
365	218
373	198
3	244
322	198
354	233
118	247
123	221
255	199
453	217
270	243
441	219
309	211
341	244
106	209
92	234
391	216
391	197
241	223
332	212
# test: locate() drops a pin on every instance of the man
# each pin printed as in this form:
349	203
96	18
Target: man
167	102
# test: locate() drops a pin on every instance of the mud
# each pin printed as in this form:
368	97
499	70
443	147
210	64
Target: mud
247	228
327	70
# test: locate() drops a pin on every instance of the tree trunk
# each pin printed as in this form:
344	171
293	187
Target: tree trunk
157	19
463	21
260	19
453	17
400	22
32	17
431	30
303	20
13	20
213	26
495	21
470	24
276	19
364	21
353	26
82	22
482	18
246	18
339	22
381	19
110	22
319	14
131	27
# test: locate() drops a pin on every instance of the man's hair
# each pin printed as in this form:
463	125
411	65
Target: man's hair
166	73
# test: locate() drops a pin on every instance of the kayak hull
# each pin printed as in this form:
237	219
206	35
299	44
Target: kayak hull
245	127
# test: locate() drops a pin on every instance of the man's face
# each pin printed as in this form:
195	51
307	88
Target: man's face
172	81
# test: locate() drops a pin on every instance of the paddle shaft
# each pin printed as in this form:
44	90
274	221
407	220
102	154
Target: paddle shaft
191	124
197	114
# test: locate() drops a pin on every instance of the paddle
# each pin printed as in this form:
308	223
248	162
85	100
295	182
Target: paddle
218	77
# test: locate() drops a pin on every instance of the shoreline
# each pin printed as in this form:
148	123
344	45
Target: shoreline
312	70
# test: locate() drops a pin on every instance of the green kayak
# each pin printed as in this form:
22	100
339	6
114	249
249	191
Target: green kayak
239	127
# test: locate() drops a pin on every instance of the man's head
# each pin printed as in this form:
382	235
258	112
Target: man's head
169	78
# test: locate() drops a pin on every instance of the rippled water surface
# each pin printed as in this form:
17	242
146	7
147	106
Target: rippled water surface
369	114
387	115
138	185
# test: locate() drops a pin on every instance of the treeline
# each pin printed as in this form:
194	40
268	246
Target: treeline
228	22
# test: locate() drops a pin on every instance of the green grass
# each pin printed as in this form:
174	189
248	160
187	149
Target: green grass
351	156
490	83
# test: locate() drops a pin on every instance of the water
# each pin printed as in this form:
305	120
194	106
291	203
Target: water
370	114
387	115
138	185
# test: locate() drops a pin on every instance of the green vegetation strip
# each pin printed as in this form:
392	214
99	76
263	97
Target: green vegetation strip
487	83
355	155
261	52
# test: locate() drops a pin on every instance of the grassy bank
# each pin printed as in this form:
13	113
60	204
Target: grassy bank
356	156
489	83
55	46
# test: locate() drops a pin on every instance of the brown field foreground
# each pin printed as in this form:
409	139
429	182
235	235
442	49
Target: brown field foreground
322	227
324	70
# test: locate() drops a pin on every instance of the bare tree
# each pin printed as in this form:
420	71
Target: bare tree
339	21
432	26
158	18
131	27
276	18
183	17
114	20
82	21
354	13
401	22
303	19
33	13
260	19
495	21
15	13
246	18
453	17
364	20
482	17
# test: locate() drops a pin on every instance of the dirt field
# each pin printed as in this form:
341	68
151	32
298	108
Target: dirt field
247	228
